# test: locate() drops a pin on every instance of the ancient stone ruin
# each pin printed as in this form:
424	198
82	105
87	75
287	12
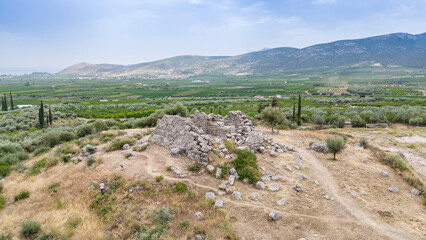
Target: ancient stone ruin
195	135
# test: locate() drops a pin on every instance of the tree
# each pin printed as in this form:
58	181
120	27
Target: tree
11	102
41	115
294	112
220	110
50	117
274	102
4	103
260	108
335	146
273	116
299	110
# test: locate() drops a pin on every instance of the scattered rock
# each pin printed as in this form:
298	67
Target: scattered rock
415	192
230	190
126	146
301	176
316	182
198	215
363	192
282	202
364	160
297	187
353	194
218	203
210	168
272	153
210	195
273	216
231	180
320	147
394	190
232	171
260	185
253	196
384	174
218	172
288	168
135	189
273	187
236	195
222	185
385	213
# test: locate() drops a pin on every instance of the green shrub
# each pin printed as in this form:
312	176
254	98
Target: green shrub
90	149
5	169
363	142
40	164
66	136
416	121
46	236
116	183
118	144
140	148
162	215
128	155
73	222
90	161
159	178
40	150
1	187
396	163
53	188
22	195
412	146
29	228
195	167
84	130
6	237
52	138
185	223
2	202
246	165
181	187
335	145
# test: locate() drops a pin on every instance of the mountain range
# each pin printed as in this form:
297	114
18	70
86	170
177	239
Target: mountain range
400	49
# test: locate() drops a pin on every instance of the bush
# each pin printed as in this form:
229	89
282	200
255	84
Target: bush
90	149
416	121
52	138
159	178
90	161
396	163
6	237
66	136
185	223
118	144
2	202
22	195
195	167
140	148
246	165
84	130
335	145
162	215
40	150
5	169
1	187
363	142
46	236
229	144
53	188
181	187
73	222
29	228
40	164
412	146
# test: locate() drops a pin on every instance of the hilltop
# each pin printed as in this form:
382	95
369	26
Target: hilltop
401	49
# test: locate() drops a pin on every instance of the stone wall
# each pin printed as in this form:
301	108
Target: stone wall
197	133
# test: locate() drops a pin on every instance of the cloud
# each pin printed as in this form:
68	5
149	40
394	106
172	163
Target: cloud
322	2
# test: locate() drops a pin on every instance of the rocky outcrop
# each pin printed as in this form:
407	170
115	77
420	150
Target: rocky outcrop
320	147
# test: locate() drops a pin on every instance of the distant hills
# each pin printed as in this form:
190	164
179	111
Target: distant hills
400	49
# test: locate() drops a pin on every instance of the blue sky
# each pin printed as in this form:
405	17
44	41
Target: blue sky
49	35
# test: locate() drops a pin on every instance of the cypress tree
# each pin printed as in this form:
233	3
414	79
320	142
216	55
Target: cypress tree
50	117
41	115
274	102
4	106
294	112
299	110
260	108
11	102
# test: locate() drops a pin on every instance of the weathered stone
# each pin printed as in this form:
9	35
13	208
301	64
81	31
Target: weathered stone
236	195
198	215
210	195
210	168
253	196
126	146
394	190
177	152
288	168
273	187
230	190
218	172
232	171
320	147
297	187
272	153
384	174
260	185
222	185
282	202
363	192
273	216
301	176
415	192
261	149
218	203
231	180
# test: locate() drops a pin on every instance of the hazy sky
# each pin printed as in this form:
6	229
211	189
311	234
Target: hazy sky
49	35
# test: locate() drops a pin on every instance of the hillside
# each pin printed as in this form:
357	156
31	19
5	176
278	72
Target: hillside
393	49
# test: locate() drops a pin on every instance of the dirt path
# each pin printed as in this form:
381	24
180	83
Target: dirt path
347	205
